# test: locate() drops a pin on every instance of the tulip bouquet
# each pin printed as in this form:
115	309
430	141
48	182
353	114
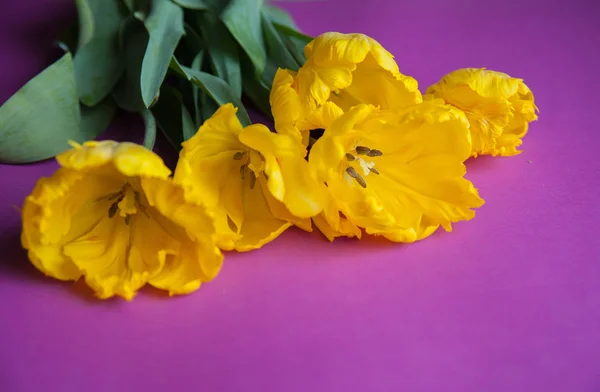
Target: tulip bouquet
356	148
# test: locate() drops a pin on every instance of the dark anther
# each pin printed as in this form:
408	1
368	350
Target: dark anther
113	209
243	170
352	173
239	155
350	157
373	170
374	153
362	150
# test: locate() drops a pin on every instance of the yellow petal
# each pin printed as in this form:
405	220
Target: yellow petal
59	209
197	259
209	173
127	159
498	107
218	134
289	178
260	226
332	225
358	69
280	211
113	215
285	102
321	118
216	182
413	184
102	254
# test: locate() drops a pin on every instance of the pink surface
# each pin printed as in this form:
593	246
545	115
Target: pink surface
507	302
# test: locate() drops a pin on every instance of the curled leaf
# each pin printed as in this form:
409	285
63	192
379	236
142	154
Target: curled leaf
243	19
37	122
214	87
165	27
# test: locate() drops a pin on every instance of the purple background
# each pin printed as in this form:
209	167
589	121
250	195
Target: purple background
507	302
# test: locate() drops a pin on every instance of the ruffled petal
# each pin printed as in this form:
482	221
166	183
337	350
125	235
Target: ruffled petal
196	258
59	209
357	69
289	178
285	102
413	184
332	224
107	157
102	256
498	107
260	226
218	134
210	173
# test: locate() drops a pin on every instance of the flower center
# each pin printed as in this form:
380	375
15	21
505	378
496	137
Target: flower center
126	202
251	167
356	160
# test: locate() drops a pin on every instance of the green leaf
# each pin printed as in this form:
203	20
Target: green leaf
258	94
298	37
197	65
187	124
214	6
127	93
150	129
215	87
99	63
85	14
38	120
130	4
165	26
255	88
277	15
242	18
268	75
192	40
172	117
222	51
97	118
277	50
193	4
208	106
139	9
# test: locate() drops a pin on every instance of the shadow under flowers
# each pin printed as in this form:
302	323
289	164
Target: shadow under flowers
14	265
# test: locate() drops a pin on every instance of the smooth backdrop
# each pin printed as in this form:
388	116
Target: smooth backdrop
506	302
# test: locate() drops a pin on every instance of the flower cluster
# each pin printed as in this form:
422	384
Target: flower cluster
357	149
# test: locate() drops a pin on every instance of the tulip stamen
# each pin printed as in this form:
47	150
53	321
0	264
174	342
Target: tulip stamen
114	207
362	150
239	155
352	173
350	157
374	153
243	170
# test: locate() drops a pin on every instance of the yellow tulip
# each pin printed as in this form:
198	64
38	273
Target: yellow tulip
395	173
341	70
256	182
111	214
498	107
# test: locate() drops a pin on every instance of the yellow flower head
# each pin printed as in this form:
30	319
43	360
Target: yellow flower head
396	173
112	215
341	70
255	181
498	107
